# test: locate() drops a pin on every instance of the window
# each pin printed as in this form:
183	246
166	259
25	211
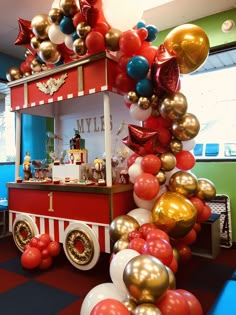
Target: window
7	127
211	97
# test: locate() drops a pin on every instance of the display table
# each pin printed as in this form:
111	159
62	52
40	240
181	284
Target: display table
36	208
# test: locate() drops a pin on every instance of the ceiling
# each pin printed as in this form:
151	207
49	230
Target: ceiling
163	17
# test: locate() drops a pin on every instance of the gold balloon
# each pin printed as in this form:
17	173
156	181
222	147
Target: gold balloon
161	177
176	254
147	309
168	161
175	145
145	278
121	226
154	100
48	52
120	245
79	47
82	29
132	96
190	45
183	182
186	128
112	38
172	279
55	15
206	190
68	7
35	65
143	102
130	304
40	25
173	106
174	214
13	74
35	43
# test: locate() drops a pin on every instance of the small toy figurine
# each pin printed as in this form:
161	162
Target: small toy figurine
27	166
75	141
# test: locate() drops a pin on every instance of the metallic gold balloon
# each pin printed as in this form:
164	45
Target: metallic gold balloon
35	43
112	38
186	128
13	74
176	254
206	189
55	15
189	44
130	305
154	100
132	96
183	182
82	29
40	24
35	65
120	245
143	102
172	280
174	214
121	226
147	309
146	279
79	47
168	161
48	52
68	7
173	106
161	177
175	145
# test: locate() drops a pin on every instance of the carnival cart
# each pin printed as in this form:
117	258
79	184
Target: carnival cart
76	215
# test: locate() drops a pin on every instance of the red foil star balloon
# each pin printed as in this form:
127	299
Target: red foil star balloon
165	73
90	13
143	141
25	33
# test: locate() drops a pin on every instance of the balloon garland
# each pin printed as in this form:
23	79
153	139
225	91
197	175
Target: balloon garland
152	240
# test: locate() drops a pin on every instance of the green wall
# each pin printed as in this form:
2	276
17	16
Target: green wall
212	26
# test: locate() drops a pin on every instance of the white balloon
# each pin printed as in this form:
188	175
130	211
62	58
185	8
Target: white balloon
141	203
138	160
134	170
117	266
138	113
69	42
56	4
100	292
55	34
188	145
141	215
122	14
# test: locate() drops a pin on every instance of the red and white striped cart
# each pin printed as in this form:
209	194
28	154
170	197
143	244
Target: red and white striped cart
78	216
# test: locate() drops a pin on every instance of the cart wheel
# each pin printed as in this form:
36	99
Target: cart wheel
81	246
24	229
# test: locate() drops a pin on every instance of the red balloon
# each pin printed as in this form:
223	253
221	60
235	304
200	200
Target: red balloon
173	303
34	242
197	227
78	18
129	42
190	238
45	238
160	249
45	253
157	233
148	52
122	62
131	159
205	215
157	122
193	303
174	265
54	248
146	186
124	83
31	258
134	234
102	27
95	42
146	228
41	245
185	160
185	253
142	33
151	164
198	203
46	263
25	67
164	135
110	307
137	244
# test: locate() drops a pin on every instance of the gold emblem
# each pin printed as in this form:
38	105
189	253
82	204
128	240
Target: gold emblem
52	85
22	234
